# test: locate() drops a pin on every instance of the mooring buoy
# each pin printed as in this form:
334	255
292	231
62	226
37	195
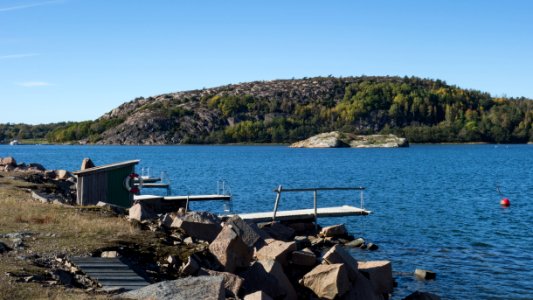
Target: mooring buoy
505	202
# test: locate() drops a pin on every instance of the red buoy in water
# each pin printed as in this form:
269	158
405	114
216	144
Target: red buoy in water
505	202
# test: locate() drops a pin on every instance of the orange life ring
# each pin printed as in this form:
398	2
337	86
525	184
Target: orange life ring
129	183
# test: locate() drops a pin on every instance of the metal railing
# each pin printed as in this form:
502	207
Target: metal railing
280	189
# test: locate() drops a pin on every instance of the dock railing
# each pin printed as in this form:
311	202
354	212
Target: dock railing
280	189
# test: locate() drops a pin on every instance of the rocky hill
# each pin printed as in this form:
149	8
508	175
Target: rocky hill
283	111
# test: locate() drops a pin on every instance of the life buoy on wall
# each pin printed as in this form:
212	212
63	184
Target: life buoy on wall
129	183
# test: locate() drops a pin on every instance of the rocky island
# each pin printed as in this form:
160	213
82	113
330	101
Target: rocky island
336	139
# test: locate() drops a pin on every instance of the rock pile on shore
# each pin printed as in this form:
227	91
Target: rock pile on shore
56	186
267	261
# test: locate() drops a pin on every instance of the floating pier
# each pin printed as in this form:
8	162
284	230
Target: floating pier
311	213
110	273
305	214
213	197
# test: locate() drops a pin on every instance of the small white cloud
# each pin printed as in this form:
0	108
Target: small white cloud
33	84
21	55
24	6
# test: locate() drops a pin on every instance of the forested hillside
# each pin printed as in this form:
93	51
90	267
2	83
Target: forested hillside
283	111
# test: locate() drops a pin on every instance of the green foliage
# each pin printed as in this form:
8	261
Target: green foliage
10	132
232	105
90	130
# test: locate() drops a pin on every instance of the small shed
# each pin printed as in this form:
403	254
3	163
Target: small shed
105	183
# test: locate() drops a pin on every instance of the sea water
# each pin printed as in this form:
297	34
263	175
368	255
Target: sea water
434	207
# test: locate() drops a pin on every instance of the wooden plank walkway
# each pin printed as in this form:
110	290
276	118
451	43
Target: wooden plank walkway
304	214
110	273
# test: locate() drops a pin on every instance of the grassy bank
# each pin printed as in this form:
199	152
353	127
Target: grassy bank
54	230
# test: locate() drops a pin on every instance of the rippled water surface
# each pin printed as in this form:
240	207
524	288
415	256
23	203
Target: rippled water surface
434	207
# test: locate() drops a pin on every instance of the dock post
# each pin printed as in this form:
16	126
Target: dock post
187	204
315	206
276	203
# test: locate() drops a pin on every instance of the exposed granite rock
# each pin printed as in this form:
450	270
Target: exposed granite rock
202	287
327	281
230	250
323	140
336	139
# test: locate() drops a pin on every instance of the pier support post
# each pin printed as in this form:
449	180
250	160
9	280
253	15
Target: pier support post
315	207
276	203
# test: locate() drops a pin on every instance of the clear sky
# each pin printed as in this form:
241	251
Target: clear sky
73	60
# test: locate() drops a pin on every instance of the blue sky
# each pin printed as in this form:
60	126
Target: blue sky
73	60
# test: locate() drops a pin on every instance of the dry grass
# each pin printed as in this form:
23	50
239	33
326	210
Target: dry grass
55	230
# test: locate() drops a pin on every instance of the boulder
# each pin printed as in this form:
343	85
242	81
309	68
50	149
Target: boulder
139	212
232	282
278	251
50	174
275	269
8	161
109	254
372	247
362	289
87	163
337	255
355	243
334	231
327	281
422	296
303	258
248	234
40	197
380	275
259	295
425	274
230	250
166	220
119	210
190	267
279	231
202	287
62	174
200	225
302	242
36	167
256	278
303	228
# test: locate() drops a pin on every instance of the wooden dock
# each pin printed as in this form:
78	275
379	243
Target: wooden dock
167	204
304	214
213	197
110	273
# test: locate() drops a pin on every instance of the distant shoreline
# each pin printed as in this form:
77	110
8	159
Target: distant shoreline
239	144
